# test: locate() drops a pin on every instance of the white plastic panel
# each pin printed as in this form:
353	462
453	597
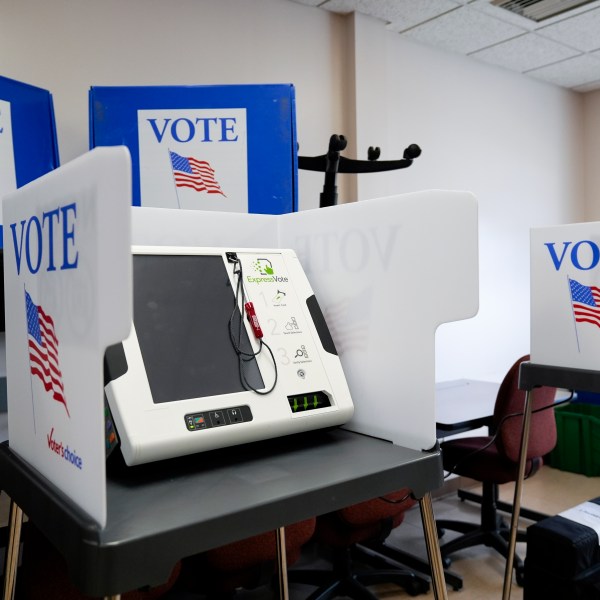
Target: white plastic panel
565	296
67	274
387	273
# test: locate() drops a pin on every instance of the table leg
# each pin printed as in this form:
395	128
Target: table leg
282	564
11	560
433	548
514	521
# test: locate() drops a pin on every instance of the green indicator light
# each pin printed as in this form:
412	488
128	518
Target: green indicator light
311	401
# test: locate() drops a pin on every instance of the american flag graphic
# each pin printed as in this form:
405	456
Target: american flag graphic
586	302
43	350
193	173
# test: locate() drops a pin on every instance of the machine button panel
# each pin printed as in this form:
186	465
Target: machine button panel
209	419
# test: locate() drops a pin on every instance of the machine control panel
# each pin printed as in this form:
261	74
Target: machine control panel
208	419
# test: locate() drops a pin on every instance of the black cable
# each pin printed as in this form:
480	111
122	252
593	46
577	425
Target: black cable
400	501
243	356
505	418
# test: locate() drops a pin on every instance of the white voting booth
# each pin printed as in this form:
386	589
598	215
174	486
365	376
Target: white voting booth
386	273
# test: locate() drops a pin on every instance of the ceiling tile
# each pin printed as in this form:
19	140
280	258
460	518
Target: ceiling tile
409	13
309	2
581	31
343	6
572	72
463	30
587	87
526	52
401	13
550	50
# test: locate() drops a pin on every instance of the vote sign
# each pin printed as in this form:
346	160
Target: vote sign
220	148
194	159
565	296
67	268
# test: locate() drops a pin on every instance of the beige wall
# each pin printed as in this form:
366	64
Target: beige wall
591	145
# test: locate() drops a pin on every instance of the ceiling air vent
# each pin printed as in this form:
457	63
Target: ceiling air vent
539	10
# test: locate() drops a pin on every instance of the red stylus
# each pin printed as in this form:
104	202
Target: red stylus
253	319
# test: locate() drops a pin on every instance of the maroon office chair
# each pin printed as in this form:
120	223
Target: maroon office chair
244	565
342	532
494	461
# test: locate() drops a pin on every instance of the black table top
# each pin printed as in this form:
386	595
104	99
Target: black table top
162	512
532	375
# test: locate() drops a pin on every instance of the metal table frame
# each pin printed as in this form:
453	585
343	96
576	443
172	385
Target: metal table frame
162	512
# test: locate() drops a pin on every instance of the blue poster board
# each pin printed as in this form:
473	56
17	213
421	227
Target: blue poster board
28	144
216	147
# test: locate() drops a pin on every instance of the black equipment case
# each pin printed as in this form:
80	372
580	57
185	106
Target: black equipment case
563	560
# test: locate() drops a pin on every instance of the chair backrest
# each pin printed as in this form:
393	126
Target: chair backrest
510	400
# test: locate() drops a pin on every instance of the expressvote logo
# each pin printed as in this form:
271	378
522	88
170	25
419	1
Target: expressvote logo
263	266
194	158
266	273
580	258
45	244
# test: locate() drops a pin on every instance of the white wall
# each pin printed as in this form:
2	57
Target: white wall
514	142
66	46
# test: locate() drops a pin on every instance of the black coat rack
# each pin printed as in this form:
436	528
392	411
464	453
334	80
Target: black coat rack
333	163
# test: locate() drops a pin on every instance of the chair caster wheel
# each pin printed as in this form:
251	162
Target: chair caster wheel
440	532
414	589
417	587
446	561
520	576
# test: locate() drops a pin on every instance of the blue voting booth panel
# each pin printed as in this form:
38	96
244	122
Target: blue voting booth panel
27	132
217	147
